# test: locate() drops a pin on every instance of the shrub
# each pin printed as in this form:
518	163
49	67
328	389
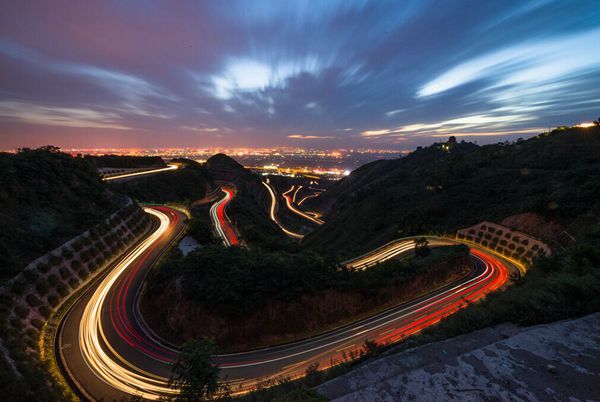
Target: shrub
45	311
16	323
53	279
62	289
64	272
55	260
43	267
21	311
53	300
42	287
31	275
33	300
37	323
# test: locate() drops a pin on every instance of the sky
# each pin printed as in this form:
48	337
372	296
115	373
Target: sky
321	74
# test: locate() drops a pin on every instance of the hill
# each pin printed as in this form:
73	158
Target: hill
46	197
183	185
248	209
450	185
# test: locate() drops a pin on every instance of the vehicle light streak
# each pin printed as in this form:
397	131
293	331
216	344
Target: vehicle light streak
272	213
290	205
220	220
309	196
145	172
106	358
91	331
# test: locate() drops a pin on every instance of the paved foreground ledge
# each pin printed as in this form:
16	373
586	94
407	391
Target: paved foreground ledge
557	361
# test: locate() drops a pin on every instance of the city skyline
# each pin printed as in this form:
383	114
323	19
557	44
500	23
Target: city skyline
299	74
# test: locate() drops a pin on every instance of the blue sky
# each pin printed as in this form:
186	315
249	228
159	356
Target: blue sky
330	74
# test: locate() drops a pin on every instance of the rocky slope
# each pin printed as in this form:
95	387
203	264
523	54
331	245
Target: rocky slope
552	362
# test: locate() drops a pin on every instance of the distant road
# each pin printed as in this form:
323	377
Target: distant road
109	353
221	222
141	173
289	201
273	212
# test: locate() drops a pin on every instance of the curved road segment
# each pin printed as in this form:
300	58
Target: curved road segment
142	173
108	352
221	222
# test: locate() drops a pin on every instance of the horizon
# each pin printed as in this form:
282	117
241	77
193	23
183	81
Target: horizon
368	75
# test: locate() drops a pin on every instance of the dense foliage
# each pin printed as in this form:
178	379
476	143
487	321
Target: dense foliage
566	285
447	186
46	197
238	281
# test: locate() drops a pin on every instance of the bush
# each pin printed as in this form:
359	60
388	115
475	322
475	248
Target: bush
16	323
64	272
37	323
53	279
33	300
62	289
45	311
31	275
55	260
43	267
21	311
53	300
42	287
67	253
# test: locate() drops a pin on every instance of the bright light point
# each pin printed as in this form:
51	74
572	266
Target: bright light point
347	173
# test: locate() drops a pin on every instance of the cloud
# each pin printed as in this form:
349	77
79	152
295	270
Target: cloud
59	116
201	129
309	137
525	63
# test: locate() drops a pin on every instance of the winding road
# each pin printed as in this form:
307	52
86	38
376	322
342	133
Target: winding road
220	220
122	176
107	351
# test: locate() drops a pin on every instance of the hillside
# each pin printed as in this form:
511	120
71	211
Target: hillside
451	185
46	197
183	185
248	210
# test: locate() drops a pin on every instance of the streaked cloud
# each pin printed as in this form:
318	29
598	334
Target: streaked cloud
58	116
309	137
253	71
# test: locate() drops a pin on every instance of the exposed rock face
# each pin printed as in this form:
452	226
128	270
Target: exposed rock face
558	361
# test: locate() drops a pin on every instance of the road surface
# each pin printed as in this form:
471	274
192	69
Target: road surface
109	353
221	221
273	212
289	201
142	173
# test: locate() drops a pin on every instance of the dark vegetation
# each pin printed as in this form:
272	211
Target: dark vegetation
565	285
246	298
252	220
46	197
196	374
183	186
249	209
452	185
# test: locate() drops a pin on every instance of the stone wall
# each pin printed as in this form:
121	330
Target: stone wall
30	298
511	243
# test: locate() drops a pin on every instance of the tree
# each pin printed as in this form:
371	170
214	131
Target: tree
597	122
195	373
421	247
